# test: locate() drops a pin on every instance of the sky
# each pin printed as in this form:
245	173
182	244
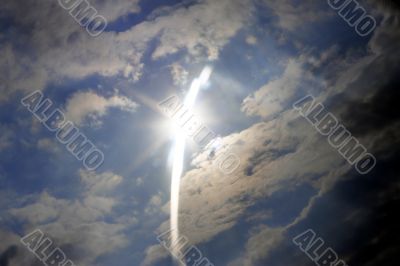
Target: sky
265	55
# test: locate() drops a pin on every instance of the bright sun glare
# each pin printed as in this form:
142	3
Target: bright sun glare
178	152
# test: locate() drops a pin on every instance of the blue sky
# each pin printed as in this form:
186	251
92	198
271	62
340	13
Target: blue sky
265	56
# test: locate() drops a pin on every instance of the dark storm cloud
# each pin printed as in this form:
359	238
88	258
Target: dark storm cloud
376	241
379	112
369	105
392	4
358	219
373	219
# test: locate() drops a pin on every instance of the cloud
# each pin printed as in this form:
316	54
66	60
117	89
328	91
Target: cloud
80	224
261	241
116	9
292	15
154	254
10	251
299	78
5	137
47	144
68	52
179	74
154	205
208	25
99	184
369	115
281	153
7	255
272	97
89	104
252	40
285	152
139	181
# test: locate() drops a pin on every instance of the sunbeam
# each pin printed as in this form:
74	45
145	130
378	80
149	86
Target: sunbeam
179	153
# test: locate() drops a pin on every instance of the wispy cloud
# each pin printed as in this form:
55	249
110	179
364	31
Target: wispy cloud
84	105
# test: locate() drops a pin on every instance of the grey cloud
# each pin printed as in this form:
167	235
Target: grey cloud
7	255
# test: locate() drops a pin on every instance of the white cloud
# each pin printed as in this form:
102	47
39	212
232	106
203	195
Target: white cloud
208	25
80	222
67	51
272	97
252	40
89	104
98	184
154	205
154	254
179	74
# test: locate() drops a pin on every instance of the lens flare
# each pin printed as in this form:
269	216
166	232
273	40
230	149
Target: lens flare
178	156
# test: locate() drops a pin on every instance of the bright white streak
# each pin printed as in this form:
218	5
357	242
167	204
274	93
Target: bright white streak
179	153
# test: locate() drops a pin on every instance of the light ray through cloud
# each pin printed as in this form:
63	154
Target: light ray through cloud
179	153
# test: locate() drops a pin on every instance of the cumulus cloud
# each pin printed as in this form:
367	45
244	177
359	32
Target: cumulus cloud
89	104
79	223
67	51
179	74
208	25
